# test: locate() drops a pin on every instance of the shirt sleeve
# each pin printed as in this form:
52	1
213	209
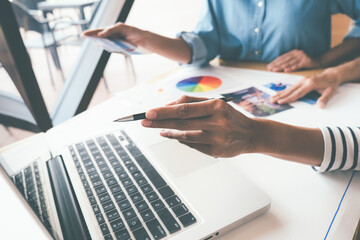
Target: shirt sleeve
204	41
352	9
341	149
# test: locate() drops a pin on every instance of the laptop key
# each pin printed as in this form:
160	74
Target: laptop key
104	229
134	223
150	171
92	200
156	229
187	219
108	237
168	220
115	188
88	192
123	205
118	169
119	196
100	190
132	168
147	215
151	196
122	234
107	174
100	218
96	209
132	189
111	181
141	181
136	197
117	224
141	206
93	176
173	201
157	205
146	188
126	182
97	182
107	206
123	175
136	174
180	210
104	197
141	234
129	213
166	192
112	215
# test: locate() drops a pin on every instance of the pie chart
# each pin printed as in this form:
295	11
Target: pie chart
199	84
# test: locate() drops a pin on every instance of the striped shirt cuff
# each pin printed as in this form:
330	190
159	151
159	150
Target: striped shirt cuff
341	146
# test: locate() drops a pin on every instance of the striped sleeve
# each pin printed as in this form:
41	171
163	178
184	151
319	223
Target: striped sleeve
341	145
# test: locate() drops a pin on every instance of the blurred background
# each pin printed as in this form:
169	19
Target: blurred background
53	65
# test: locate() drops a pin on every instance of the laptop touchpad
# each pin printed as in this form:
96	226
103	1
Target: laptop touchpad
180	159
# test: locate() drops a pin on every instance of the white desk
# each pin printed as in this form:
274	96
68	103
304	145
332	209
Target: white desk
303	202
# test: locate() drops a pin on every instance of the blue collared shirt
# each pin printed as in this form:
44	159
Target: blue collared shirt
262	30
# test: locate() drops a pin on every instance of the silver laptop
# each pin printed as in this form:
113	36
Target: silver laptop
120	185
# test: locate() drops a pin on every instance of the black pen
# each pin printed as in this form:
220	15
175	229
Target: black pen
140	116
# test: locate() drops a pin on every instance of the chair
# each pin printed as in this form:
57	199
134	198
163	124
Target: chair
50	41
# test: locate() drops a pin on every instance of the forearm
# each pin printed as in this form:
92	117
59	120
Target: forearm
348	72
172	48
298	144
347	50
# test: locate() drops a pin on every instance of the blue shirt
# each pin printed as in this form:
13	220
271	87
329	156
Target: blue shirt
262	30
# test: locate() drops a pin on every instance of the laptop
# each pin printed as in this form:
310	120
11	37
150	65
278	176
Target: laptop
121	184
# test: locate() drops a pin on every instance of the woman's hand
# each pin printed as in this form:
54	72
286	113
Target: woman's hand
209	126
131	34
292	61
326	83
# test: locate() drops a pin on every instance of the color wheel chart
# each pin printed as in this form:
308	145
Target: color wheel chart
199	84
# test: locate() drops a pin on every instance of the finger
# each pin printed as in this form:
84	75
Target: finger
204	148
186	99
93	32
281	59
296	94
179	124
287	91
187	110
325	97
289	62
293	68
186	136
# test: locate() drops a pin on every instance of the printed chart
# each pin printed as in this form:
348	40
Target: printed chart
199	84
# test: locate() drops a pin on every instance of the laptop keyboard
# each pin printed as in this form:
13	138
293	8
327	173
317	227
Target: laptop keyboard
129	197
28	183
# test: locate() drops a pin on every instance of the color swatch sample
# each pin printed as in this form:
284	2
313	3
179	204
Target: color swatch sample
199	84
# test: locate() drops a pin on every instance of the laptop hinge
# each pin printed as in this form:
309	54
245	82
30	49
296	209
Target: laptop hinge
72	222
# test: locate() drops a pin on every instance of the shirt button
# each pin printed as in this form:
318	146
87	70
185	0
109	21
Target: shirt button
260	4
256	30
256	52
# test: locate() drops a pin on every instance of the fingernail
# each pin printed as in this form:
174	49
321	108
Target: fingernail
321	104
151	115
163	133
146	123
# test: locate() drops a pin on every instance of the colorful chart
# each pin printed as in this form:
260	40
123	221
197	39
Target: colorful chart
199	84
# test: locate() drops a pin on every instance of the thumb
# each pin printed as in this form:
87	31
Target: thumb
325	97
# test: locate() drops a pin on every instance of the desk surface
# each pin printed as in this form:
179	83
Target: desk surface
303	202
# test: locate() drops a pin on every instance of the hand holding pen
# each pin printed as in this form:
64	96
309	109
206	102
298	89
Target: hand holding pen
209	125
